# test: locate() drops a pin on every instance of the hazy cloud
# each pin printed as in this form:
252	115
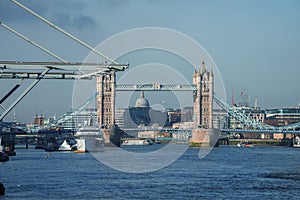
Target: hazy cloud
63	13
79	21
10	12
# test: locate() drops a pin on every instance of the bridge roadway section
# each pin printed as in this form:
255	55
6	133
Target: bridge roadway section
155	87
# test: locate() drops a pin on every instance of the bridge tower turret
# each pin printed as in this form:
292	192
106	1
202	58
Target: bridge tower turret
203	97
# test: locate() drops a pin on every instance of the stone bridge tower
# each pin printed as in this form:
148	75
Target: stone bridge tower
106	85
106	88
203	97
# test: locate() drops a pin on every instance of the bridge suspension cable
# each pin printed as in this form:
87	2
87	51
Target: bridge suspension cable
23	74
82	75
40	77
63	31
248	121
75	112
32	42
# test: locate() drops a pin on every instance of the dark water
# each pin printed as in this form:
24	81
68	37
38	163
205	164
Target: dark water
226	173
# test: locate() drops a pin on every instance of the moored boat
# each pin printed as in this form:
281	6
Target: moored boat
296	142
79	147
245	144
3	155
136	141
50	147
65	146
89	138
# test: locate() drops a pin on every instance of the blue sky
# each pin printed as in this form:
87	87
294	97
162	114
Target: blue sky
255	44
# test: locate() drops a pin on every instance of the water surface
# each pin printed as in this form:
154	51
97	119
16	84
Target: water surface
226	173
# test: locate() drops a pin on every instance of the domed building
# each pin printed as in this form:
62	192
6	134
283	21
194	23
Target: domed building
142	102
140	112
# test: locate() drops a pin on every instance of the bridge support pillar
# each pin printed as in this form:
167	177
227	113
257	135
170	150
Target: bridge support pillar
205	137
112	136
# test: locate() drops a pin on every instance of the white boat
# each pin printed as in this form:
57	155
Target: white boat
245	144
65	146
1	147
79	146
3	155
296	142
136	141
89	138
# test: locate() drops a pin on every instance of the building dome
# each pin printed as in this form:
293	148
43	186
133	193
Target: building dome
142	102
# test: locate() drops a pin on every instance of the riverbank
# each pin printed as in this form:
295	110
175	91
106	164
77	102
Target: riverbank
256	142
261	142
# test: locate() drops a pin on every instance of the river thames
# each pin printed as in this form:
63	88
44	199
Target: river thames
227	172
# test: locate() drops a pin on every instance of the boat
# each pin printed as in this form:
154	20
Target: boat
65	146
50	147
3	156
296	142
89	138
79	147
245	144
136	141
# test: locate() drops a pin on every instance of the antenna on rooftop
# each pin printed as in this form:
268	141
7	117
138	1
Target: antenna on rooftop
255	104
232	97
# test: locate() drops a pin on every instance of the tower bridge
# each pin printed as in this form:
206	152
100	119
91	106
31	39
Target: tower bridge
60	73
202	85
202	88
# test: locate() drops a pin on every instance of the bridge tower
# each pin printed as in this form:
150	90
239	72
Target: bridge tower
203	97
106	85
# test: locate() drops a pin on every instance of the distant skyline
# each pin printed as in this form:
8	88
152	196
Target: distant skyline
255	44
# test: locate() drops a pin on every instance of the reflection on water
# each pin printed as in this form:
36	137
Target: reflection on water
294	176
226	172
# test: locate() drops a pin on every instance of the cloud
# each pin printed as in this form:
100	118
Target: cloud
10	12
83	21
63	13
79	21
110	3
